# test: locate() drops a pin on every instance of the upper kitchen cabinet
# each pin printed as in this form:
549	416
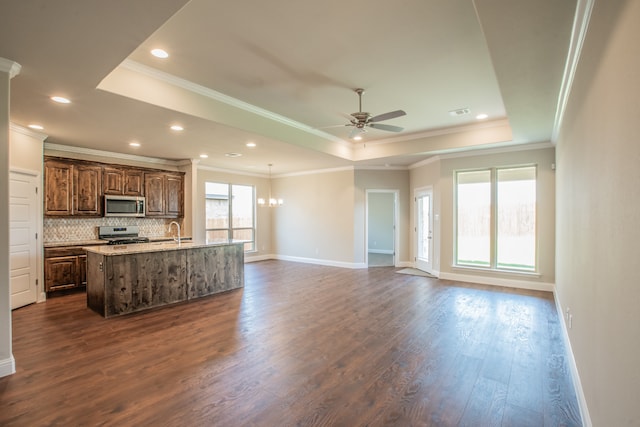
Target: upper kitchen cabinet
164	192
87	189
58	188
123	181
72	189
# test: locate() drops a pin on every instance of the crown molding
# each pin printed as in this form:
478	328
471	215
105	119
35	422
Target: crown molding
28	132
315	172
10	67
578	35
440	132
220	97
231	171
101	153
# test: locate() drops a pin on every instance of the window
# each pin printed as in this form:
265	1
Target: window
230	213
496	218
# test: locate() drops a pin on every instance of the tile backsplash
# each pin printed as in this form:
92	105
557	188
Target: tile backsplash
81	229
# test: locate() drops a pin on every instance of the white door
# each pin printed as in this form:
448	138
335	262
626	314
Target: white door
23	228
424	230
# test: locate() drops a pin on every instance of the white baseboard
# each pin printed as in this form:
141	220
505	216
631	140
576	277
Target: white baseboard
575	376
256	258
381	251
498	281
326	262
7	367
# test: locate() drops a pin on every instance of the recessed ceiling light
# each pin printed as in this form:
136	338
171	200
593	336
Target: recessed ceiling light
251	144
177	128
159	53
357	137
233	154
203	156
60	100
134	144
36	127
482	116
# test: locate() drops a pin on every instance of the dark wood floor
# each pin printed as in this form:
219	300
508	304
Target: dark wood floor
299	345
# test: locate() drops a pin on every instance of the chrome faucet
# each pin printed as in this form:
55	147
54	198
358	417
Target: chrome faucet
175	239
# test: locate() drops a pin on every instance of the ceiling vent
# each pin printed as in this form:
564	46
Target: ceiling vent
459	112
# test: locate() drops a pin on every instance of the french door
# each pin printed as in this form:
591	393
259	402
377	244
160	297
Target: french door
424	229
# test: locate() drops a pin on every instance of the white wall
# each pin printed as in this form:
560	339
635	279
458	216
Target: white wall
598	214
25	154
7	364
439	174
315	224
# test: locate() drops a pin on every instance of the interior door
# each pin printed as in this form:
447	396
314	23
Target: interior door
23	226
424	230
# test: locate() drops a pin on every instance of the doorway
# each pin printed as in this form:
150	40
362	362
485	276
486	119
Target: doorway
381	237
424	229
23	238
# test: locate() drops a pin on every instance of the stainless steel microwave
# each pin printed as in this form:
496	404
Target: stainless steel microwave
124	206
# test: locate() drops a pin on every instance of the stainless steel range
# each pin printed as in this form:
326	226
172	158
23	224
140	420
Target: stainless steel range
121	235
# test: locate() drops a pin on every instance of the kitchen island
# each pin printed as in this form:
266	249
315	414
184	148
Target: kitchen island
124	279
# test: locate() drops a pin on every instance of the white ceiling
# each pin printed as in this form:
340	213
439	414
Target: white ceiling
278	73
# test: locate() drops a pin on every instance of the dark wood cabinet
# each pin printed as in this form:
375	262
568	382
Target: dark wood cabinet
58	188
133	182
64	268
76	188
164	193
112	180
87	190
174	195
72	188
123	181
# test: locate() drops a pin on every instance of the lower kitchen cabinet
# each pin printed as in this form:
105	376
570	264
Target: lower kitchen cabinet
64	268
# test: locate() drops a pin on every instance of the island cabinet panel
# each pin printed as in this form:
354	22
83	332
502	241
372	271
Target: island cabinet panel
140	277
141	281
215	269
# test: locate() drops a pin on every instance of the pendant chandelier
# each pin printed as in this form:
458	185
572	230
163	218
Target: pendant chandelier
272	201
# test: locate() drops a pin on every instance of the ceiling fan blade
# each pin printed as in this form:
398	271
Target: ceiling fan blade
389	128
387	116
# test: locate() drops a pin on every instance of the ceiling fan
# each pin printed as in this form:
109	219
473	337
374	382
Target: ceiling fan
362	120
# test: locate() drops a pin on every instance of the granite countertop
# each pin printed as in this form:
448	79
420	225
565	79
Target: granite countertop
160	246
96	242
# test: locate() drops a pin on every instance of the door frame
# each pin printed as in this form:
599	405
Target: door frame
396	231
435	237
41	295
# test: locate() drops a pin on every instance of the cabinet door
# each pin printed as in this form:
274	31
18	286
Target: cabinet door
87	186
174	195
60	273
154	193
113	180
58	190
133	182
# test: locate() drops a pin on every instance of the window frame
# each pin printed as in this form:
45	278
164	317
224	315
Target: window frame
230	228
493	231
